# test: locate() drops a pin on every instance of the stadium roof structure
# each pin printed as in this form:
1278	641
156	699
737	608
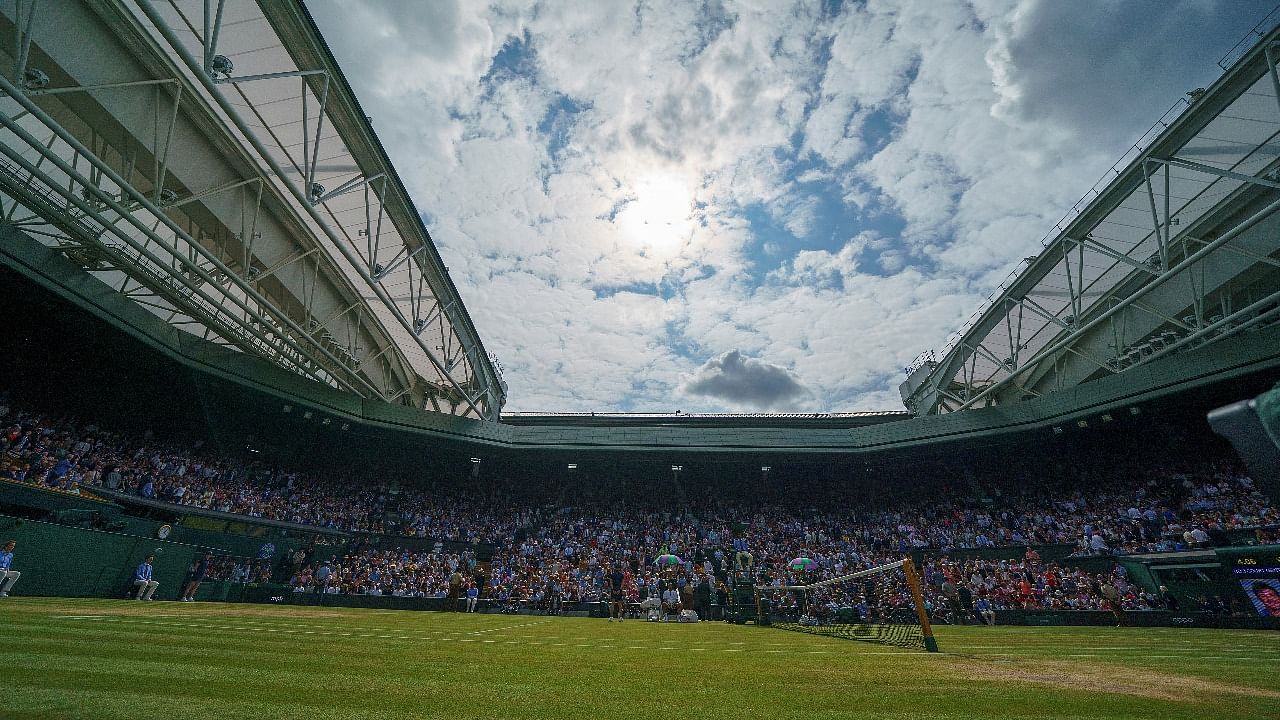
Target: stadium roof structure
204	167
1173	249
207	160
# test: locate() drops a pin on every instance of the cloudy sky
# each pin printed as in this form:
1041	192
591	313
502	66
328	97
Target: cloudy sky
759	205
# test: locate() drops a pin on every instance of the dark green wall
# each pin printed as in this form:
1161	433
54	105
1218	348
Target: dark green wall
73	562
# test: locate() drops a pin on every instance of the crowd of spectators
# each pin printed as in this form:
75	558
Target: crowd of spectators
1114	506
61	454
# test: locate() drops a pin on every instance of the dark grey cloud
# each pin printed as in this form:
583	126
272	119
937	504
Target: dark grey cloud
746	381
1104	68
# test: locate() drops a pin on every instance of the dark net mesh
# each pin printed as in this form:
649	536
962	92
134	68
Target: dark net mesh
874	605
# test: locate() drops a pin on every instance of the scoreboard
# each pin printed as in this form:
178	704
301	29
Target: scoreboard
1258	571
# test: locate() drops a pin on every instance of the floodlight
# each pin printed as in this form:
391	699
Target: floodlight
35	79
221	66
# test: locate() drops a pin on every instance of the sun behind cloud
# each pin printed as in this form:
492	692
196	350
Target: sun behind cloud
659	218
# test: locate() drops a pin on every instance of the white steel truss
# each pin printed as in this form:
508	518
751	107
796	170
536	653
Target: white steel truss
1176	251
334	284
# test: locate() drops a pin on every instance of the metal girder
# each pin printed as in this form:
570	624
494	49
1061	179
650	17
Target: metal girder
349	186
1210	170
22	26
190	270
95	88
1156	256
259	277
1038	309
401	258
1265	260
1271	70
148	273
1160	279
1119	257
305	198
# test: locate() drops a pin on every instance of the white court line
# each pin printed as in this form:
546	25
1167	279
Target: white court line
133	620
508	627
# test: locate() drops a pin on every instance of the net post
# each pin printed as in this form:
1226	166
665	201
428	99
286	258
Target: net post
913	582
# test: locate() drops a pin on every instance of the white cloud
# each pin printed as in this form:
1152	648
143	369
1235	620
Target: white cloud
605	274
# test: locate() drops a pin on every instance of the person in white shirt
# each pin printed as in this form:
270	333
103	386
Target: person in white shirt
670	602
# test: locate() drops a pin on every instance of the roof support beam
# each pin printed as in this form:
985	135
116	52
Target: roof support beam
1038	309
1271	70
1210	170
189	272
22	38
203	194
1098	247
346	187
212	28
1264	259
210	86
267	76
1159	280
401	258
283	264
95	88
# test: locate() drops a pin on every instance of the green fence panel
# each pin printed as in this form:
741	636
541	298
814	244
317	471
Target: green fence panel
75	562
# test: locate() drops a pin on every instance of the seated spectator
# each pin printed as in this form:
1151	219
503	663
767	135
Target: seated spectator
142	579
985	612
8	576
671	602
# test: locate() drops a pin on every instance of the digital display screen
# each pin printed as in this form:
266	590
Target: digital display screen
1264	595
1259	564
1258	572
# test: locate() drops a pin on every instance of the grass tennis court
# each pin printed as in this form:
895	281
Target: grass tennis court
116	659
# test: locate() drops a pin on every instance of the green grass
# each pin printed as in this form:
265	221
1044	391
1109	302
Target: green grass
116	659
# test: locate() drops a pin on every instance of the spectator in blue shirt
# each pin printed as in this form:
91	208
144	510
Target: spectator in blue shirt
985	612
322	576
742	559
142	579
8	576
